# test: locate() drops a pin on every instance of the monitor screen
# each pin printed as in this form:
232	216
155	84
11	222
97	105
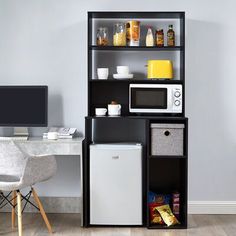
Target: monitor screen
23	106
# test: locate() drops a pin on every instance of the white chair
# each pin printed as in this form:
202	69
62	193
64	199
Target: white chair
19	170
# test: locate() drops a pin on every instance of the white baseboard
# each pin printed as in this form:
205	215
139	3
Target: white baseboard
212	207
73	205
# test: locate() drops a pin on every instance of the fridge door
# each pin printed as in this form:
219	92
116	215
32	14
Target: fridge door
116	184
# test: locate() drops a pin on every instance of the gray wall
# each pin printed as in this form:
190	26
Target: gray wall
44	42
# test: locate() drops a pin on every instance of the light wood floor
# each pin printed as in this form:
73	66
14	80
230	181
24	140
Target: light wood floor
69	224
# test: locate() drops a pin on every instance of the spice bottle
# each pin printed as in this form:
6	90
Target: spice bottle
149	38
160	38
171	36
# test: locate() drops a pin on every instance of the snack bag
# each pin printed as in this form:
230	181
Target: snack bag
159	199
176	204
167	215
155	217
151	197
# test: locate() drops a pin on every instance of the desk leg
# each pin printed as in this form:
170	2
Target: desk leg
81	187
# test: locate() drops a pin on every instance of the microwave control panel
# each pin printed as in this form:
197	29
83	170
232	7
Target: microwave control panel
177	99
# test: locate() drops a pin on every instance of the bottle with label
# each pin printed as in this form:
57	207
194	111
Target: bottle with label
171	36
160	38
149	38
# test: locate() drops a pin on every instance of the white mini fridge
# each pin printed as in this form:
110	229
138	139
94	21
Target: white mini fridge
116	184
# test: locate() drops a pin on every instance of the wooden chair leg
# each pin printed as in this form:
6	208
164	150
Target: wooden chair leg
13	219
40	206
19	211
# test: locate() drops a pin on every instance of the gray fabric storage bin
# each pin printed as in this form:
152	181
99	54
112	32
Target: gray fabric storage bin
167	139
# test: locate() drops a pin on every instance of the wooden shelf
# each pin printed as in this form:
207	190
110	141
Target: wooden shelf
132	48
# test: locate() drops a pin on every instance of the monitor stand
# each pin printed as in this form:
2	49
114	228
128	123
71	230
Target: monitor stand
21	132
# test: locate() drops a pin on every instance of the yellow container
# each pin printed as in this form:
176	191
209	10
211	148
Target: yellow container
160	69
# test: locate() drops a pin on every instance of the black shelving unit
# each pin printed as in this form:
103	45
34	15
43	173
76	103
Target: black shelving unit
162	174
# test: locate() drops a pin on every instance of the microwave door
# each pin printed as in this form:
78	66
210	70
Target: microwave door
148	100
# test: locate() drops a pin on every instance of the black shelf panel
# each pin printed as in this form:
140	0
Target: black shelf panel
137	15
167	227
132	48
166	118
167	157
156	81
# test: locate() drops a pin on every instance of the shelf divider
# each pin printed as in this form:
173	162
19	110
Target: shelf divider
156	81
133	48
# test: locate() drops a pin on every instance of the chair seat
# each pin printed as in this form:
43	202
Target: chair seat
9	178
10	182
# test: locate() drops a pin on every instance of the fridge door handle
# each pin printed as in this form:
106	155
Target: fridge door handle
115	157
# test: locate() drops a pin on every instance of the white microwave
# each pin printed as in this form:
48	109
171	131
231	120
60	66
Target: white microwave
155	98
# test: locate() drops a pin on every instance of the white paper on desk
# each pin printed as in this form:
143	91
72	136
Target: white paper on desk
63	131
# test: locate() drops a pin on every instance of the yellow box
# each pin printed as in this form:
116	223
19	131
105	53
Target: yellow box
160	69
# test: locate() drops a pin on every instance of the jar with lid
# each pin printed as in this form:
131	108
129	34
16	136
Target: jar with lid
160	38
119	34
102	36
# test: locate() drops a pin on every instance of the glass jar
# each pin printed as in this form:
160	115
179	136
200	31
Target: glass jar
119	34
102	36
133	32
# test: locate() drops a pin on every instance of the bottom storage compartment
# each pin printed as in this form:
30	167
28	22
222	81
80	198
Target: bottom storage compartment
167	193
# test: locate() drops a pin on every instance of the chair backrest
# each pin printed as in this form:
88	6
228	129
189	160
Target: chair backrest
12	159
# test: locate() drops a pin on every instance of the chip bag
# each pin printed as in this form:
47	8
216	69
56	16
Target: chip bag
155	217
167	215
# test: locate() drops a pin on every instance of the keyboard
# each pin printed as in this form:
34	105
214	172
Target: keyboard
16	138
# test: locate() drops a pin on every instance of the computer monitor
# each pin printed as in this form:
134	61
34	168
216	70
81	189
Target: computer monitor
24	106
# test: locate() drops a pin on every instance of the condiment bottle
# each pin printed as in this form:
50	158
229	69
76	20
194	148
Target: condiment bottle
171	36
149	38
160	38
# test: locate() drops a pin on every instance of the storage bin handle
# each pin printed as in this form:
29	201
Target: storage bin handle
167	133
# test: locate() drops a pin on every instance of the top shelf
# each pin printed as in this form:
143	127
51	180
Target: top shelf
134	15
132	48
